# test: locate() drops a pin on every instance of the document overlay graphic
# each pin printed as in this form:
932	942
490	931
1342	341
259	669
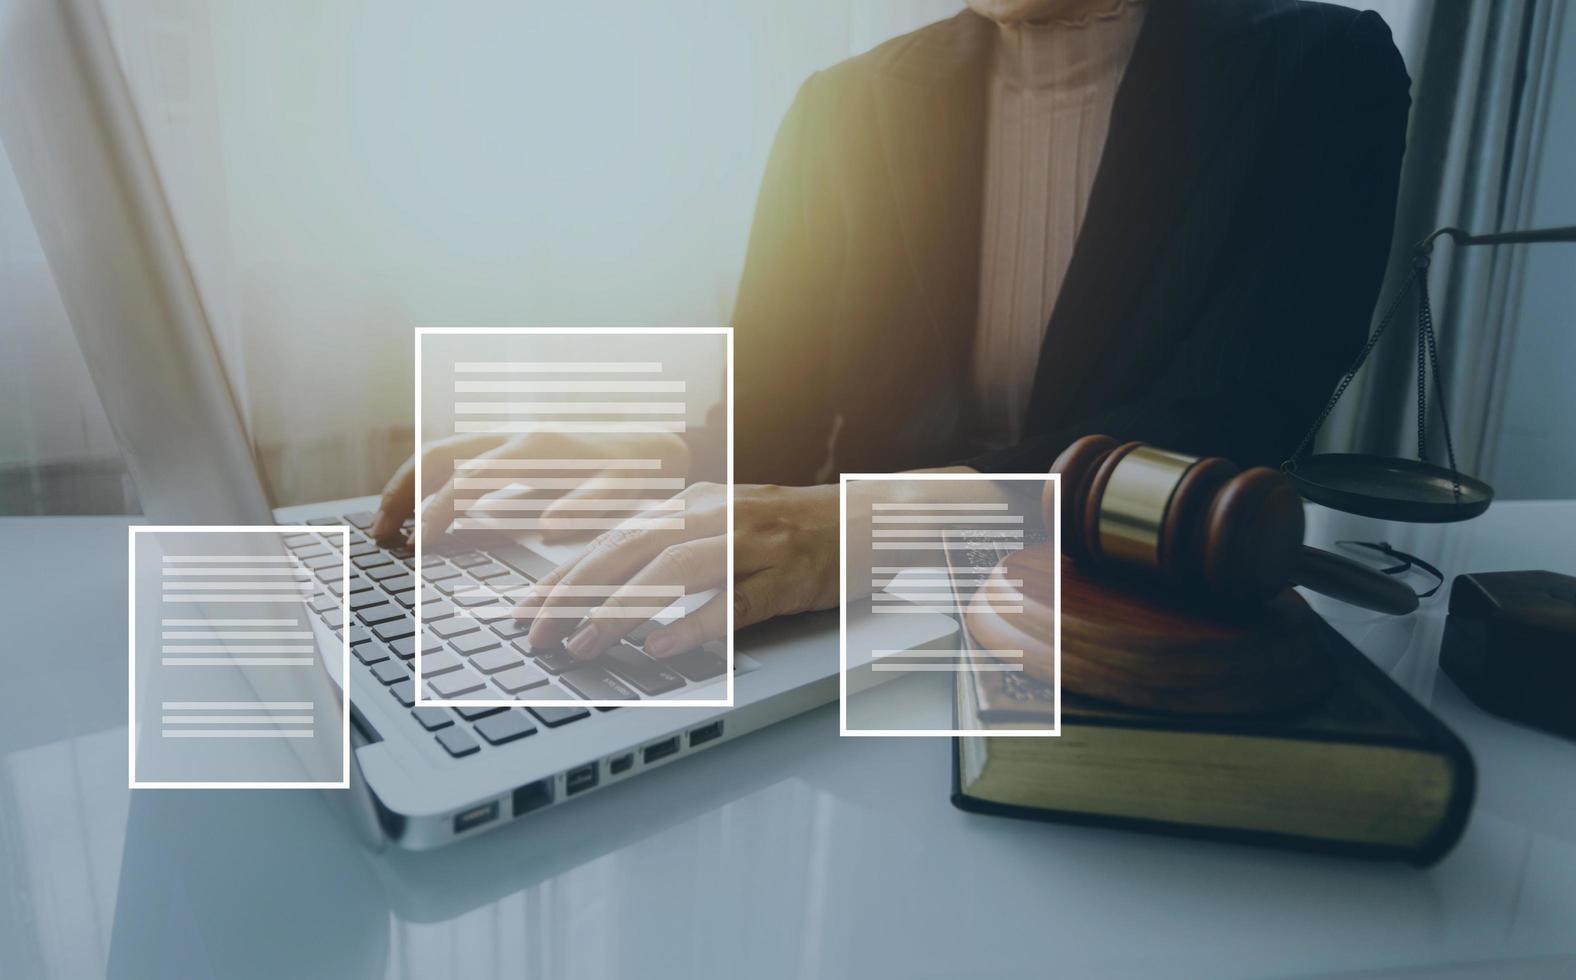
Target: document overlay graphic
555	466
951	599
234	684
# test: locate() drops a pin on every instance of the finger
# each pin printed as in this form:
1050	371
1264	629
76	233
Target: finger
612	559
618	553
685	568
437	511
755	599
437	463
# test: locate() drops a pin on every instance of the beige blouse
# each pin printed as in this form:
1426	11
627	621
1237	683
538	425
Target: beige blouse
1049	106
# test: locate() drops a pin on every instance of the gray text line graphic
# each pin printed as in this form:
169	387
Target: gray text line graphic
237	733
606	428
236	661
565	523
557	464
558	367
569	408
573	483
569	387
511	503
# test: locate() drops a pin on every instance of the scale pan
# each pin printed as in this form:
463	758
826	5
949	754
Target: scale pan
1389	488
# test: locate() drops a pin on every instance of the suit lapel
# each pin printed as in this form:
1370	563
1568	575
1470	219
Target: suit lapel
930	102
1182	86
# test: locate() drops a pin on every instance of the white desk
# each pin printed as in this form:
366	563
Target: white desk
790	853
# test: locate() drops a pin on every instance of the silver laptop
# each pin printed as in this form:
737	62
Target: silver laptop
421	777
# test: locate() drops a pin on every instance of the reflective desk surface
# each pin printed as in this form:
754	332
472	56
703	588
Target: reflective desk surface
789	853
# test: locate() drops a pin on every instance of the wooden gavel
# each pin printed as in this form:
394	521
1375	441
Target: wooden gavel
1202	522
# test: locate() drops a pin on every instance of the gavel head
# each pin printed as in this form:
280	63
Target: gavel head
1197	522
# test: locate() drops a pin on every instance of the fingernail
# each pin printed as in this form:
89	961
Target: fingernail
581	643
659	644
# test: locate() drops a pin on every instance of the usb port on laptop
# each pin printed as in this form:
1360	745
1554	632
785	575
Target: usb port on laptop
579	780
475	817
658	751
706	733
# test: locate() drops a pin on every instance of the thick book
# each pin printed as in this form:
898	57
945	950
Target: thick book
1367	771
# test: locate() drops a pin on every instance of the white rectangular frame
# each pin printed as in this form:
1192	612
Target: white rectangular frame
727	702
131	650
842	605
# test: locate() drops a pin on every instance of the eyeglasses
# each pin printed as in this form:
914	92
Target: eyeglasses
1401	562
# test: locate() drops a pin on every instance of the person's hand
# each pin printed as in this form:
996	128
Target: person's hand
439	458
785	561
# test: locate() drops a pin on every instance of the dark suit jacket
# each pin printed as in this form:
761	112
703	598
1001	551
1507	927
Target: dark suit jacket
1234	241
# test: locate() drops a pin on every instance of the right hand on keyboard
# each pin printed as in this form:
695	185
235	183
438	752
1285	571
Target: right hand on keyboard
438	460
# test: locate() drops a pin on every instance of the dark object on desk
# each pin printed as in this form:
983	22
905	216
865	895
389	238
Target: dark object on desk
1390	488
1366	771
1152	649
1510	645
1203	526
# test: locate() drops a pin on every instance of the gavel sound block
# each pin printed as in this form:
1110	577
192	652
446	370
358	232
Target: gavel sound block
1176	585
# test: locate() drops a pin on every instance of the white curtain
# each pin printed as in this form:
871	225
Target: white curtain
341	172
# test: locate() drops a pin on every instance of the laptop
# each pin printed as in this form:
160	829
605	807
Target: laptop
421	777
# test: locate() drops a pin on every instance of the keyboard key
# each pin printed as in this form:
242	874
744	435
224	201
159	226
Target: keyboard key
510	585
324	603
437	609
394	629
361	519
487	570
335	618
316	549
509	627
442	571
696	664
474	642
448	629
404	692
458	742
403	552
648	676
595	684
405	647
389	671
359	634
370	653
385	572
457	684
323	521
459	583
380	613
357	584
553	717
432	719
378	559
396	583
293	541
319	562
467	559
471	712
519	678
496	659
438	664
554	659
363	549
473	598
365	600
505	727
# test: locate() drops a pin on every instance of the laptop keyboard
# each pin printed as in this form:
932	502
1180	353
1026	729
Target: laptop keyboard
465	657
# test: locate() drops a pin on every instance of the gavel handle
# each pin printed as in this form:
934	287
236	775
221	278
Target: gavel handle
1341	578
